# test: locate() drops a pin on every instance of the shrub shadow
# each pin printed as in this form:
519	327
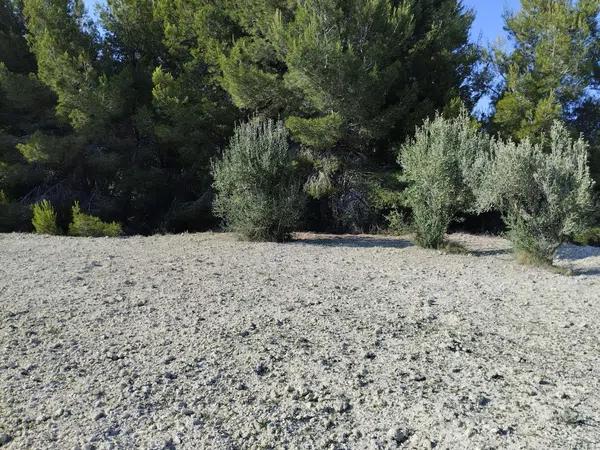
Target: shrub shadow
353	241
590	271
491	252
582	260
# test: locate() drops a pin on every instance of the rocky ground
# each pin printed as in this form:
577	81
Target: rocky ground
200	341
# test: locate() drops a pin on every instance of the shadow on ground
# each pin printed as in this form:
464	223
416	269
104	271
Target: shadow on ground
490	252
582	260
352	241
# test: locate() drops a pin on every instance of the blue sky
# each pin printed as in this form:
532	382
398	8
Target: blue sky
487	27
488	20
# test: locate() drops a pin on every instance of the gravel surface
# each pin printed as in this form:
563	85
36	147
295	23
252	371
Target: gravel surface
200	341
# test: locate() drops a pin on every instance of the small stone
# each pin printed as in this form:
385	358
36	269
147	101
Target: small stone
342	406
187	412
59	412
261	369
370	355
168	444
99	415
169	359
483	401
397	435
5	438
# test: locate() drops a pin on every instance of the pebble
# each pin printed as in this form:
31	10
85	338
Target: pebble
261	369
397	435
342	406
5	438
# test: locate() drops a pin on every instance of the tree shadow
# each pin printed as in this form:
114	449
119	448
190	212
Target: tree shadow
353	241
581	260
591	271
490	252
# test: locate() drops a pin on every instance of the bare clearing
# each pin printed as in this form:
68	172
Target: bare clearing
201	341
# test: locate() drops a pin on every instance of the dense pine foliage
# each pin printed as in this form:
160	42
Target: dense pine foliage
126	111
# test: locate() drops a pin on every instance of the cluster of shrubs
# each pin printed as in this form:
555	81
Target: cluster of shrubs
45	222
542	190
451	168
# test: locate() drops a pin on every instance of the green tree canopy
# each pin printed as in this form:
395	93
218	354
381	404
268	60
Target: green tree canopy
553	72
144	114
346	75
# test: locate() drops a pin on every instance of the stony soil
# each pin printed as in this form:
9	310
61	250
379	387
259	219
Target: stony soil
200	341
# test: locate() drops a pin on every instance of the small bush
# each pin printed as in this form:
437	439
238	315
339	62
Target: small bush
397	222
44	218
544	197
258	194
437	166
90	226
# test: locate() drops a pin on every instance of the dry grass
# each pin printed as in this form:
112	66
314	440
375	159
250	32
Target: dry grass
530	259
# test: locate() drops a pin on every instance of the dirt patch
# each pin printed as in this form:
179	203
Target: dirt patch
201	341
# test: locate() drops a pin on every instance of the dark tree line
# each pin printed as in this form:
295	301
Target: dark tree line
125	113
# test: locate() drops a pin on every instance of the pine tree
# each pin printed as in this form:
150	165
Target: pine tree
145	119
26	119
552	70
350	78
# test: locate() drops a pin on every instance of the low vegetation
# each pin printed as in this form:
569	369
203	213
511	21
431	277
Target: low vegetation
437	164
544	191
258	193
44	218
91	226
